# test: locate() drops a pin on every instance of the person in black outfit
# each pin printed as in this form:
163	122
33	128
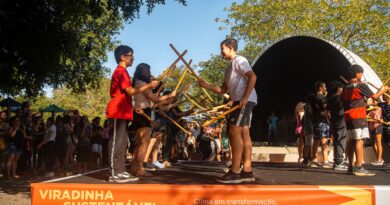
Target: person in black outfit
337	124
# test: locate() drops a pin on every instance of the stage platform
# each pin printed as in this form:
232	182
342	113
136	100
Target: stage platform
194	183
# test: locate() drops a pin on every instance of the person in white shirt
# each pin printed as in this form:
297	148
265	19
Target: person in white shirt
239	81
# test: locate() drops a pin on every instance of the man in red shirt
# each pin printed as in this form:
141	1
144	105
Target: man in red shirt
120	113
355	118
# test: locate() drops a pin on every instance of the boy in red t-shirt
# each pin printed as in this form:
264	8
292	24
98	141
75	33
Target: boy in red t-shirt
120	113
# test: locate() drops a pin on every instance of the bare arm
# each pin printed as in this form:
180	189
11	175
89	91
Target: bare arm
380	92
12	131
133	91
47	138
249	87
151	96
217	89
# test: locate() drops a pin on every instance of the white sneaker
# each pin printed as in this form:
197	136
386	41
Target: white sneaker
159	165
123	178
124	175
377	163
49	174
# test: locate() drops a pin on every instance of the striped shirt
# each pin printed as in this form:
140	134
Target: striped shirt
355	105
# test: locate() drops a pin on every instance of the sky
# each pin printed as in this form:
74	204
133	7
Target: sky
192	27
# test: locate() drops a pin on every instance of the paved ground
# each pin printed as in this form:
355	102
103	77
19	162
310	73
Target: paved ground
18	192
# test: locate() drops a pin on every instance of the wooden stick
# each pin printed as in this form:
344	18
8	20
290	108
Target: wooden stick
196	78
169	73
172	65
209	111
221	116
345	80
174	122
184	61
159	90
150	119
162	76
208	95
384	83
193	102
185	88
218	107
190	68
180	81
182	77
378	89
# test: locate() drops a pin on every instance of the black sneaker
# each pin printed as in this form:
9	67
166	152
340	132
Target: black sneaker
230	178
149	167
350	170
308	163
247	176
340	167
386	165
360	171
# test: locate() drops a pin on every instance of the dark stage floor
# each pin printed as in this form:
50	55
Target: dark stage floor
191	172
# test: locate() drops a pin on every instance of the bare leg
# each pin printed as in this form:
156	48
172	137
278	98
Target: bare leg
324	149
359	152
149	149
247	152
351	151
235	136
9	164
154	152
316	143
143	138
15	165
300	147
378	142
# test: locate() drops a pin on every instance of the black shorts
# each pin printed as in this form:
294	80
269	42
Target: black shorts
83	153
377	130
140	121
241	117
386	135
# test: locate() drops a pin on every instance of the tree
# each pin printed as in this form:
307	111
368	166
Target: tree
92	102
360	26
59	43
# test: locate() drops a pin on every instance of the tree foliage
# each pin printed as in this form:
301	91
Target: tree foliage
361	26
92	102
60	42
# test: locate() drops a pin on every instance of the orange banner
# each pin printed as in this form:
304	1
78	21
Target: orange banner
160	194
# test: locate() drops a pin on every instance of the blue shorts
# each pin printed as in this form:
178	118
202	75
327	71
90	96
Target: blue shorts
12	149
322	131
